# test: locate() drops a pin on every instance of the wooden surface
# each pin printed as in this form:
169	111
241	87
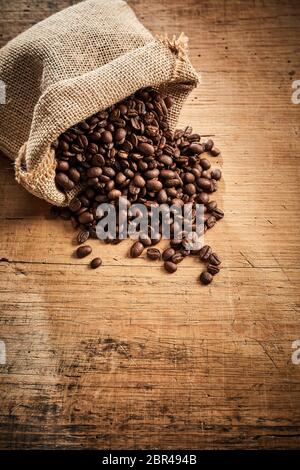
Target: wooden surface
128	356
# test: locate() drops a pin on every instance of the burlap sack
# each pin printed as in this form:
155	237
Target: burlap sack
72	65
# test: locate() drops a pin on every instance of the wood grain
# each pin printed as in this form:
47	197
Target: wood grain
127	356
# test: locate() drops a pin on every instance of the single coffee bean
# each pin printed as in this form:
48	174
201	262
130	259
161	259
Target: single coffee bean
168	253
61	179
83	251
217	213
153	254
190	189
107	137
86	218
170	267
94	172
136	250
215	152
205	252
62	166
168	102
154	185
212	269
196	148
146	149
216	174
120	134
209	145
162	197
150	174
82	236
177	258
206	277
204	184
139	181
95	263
210	221
212	205
203	198
114	194
214	259
75	204
205	163
167	174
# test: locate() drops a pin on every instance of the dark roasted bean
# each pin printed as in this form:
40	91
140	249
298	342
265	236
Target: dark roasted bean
83	251
82	236
168	253
136	250
170	267
205	252
214	259
212	269
95	263
153	254
206	277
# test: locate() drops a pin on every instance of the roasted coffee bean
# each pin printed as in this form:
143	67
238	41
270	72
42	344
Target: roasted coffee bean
212	269
214	259
205	252
75	204
203	198
211	206
216	174
95	263
177	258
153	254
82	236
217	213
170	267
62	166
162	197
94	172
86	218
146	149
64	181
168	253
206	277
209	145
168	102
215	152
190	189
136	250
196	148
167	174
107	137
154	185
205	163
204	184
120	134
83	251
210	221
139	181
114	194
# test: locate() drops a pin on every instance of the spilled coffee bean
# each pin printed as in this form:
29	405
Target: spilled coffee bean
129	151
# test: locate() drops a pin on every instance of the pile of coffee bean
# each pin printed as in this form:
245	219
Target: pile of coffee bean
128	150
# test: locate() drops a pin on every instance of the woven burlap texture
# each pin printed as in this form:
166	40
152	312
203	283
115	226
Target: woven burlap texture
72	65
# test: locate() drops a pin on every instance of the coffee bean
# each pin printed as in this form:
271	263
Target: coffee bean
75	204
170	267
136	250
83	251
146	149
95	263
209	145
211	206
205	252
204	184
216	174
61	179
177	258
86	218
190	189
215	152
205	163
214	259
82	236
153	254
62	166
107	137
168	253
114	194
218	213
168	102
139	181
94	172
154	185
212	269
210	221
206	277
120	134
196	148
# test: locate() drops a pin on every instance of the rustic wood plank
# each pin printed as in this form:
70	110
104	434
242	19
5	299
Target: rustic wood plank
128	356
